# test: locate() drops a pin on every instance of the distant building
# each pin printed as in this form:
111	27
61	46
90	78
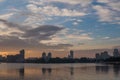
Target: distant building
17	58
11	58
116	53
98	56
71	54
49	55
44	55
21	56
1	57
104	55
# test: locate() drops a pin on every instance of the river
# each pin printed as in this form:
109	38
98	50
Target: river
80	71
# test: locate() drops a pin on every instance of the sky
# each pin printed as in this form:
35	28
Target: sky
58	26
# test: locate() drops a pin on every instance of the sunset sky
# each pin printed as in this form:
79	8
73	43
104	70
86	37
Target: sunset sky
85	26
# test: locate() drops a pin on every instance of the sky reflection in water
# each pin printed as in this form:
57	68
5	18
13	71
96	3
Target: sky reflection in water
59	72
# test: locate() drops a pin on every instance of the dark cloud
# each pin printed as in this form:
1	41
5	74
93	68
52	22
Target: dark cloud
9	24
42	32
81	43
12	41
14	25
30	37
61	46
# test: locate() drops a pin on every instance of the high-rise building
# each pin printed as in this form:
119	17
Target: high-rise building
71	54
116	53
49	55
98	56
22	53
1	57
17	58
21	56
44	55
104	55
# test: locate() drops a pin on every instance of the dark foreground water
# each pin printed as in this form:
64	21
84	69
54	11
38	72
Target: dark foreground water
59	72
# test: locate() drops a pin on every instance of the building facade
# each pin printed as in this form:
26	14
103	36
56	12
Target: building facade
116	53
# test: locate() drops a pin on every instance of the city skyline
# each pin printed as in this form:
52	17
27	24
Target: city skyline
58	26
101	57
21	56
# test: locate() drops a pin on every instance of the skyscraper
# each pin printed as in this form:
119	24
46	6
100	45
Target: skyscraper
44	55
71	55
98	56
104	55
21	55
49	55
116	53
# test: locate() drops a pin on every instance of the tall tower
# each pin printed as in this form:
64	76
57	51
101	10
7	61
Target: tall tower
49	55
116	53
44	55
98	56
71	54
104	55
22	55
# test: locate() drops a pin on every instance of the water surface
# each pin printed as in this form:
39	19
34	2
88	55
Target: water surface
13	71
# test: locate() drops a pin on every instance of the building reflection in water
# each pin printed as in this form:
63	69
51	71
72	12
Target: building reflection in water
49	70
44	70
71	70
116	69
21	72
104	69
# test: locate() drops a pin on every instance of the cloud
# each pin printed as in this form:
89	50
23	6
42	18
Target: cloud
83	2
40	14
11	25
38	20
73	2
15	42
6	27
42	32
80	37
20	37
41	11
113	4
106	37
103	13
75	23
103	1
109	12
64	37
54	11
6	16
60	46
